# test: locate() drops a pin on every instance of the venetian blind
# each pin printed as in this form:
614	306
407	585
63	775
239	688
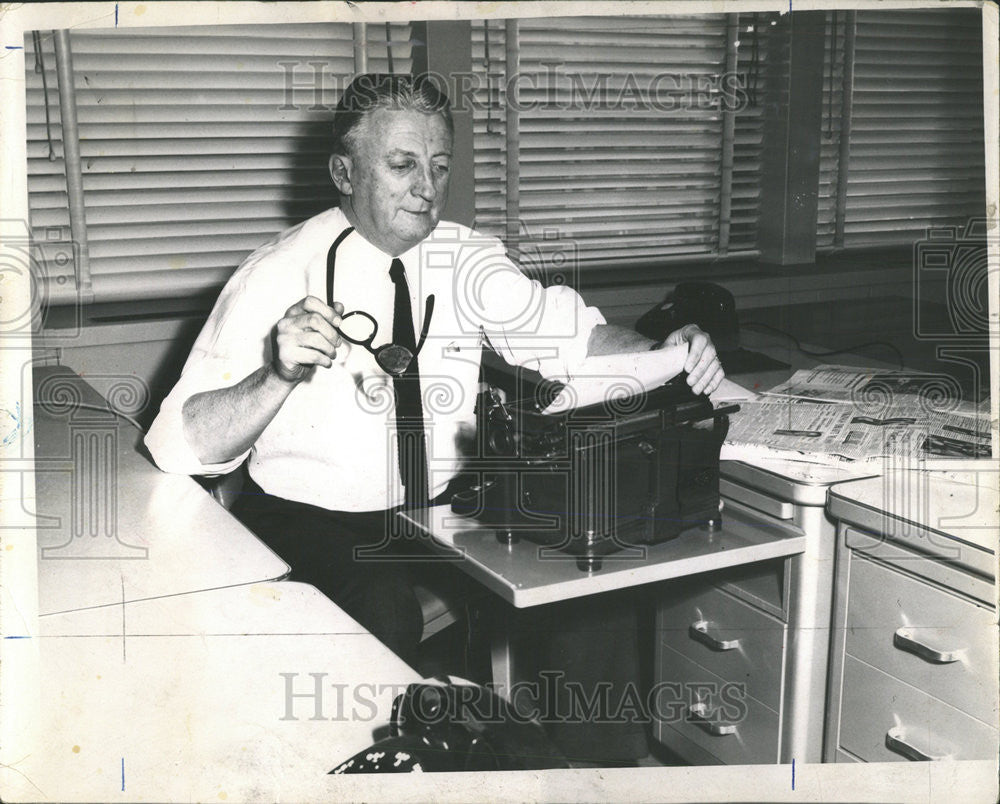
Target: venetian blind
916	156
620	137
827	231
197	143
754	49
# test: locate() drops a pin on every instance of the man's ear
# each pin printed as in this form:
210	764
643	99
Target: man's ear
340	172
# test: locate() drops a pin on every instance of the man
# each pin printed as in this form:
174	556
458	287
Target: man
271	377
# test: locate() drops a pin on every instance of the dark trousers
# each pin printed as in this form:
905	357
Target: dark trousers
574	653
325	548
583	655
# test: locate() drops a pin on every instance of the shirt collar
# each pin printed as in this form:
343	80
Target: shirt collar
373	255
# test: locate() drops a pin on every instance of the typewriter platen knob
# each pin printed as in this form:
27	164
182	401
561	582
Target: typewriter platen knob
501	440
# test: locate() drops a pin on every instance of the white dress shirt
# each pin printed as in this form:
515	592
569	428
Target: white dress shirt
332	443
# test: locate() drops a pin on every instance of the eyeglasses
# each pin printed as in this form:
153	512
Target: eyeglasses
391	357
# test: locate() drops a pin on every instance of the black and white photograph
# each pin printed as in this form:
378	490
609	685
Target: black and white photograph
548	401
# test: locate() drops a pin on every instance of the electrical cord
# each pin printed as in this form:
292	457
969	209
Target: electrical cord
388	48
62	403
799	347
36	39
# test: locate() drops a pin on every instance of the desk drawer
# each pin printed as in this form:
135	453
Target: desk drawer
940	560
781	509
884	720
714	714
923	635
762	583
727	637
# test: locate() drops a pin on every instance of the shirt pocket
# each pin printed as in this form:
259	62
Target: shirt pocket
449	381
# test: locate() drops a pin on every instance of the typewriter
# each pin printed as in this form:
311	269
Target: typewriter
600	479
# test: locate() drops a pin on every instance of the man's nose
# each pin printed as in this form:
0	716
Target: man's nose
423	183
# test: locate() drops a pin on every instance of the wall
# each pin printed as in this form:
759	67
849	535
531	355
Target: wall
763	286
152	351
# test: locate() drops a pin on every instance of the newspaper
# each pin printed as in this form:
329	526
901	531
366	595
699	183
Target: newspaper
833	414
877	388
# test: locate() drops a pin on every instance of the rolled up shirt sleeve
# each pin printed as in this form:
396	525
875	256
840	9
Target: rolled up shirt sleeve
169	446
543	328
234	343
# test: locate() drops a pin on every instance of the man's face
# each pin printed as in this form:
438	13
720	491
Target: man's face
395	184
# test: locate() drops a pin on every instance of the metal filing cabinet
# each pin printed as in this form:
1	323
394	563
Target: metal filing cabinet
914	656
742	653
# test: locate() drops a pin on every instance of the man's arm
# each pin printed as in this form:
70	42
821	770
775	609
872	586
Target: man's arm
702	365
226	422
610	339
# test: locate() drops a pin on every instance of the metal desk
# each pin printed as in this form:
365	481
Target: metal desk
111	526
250	693
525	574
914	649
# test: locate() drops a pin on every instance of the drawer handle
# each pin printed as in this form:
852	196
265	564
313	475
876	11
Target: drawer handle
896	742
698	631
905	639
696	714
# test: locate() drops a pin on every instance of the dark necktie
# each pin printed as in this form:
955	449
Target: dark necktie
409	408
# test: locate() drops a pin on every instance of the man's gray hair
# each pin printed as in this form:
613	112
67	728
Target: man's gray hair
371	91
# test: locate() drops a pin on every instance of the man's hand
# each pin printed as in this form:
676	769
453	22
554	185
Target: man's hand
305	337
702	365
226	422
